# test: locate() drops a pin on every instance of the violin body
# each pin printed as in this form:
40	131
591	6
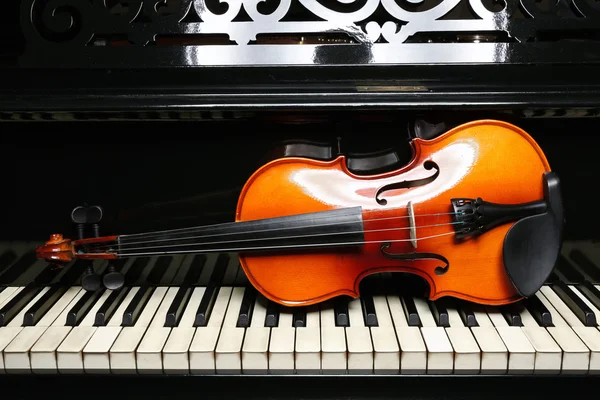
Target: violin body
492	160
477	213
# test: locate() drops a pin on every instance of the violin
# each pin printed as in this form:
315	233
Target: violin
476	212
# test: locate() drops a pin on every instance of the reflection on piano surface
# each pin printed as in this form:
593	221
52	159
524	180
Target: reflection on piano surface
197	314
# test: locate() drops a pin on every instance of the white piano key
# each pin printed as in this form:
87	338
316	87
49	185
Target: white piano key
6	336
521	354
282	343
589	335
8	293
13	328
122	352
255	350
16	354
467	354
149	351
308	343
494	354
96	352
413	352
69	355
228	353
43	353
204	343
576	355
548	354
175	353
440	358
358	339
386	350
333	342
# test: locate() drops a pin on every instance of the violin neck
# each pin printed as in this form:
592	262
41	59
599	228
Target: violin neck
324	229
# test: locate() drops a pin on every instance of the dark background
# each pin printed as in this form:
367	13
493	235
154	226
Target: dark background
157	175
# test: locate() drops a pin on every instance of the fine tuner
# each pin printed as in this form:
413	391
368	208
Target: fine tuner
477	213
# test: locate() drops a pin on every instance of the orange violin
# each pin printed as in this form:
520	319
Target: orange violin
477	213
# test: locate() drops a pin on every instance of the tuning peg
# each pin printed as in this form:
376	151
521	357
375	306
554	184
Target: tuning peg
87	215
90	280
94	216
79	217
113	279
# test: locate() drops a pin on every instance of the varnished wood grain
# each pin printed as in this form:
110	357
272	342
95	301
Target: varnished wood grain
489	159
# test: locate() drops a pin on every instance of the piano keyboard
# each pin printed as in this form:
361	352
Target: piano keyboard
199	315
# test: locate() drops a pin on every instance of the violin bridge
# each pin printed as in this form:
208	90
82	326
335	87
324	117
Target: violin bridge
413	227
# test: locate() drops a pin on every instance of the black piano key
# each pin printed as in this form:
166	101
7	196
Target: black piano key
206	305
588	266
412	316
25	262
134	273
181	299
193	274
299	317
6	259
211	291
512	314
368	308
439	309
159	269
574	302
568	271
538	311
16	304
82	307
47	275
467	314
245	314
72	275
157	276
108	308
135	308
552	278
44	303
177	306
340	310
272	316
590	292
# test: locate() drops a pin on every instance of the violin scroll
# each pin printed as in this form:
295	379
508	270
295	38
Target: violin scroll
57	250
61	251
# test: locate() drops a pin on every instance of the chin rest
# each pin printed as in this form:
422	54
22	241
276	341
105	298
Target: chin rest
532	245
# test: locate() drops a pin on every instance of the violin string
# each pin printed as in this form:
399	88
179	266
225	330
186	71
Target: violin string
316	217
237	249
123	248
333	224
106	247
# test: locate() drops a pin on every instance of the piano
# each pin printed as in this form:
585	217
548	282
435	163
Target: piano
158	111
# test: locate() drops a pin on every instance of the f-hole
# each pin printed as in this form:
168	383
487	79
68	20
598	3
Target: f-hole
428	165
439	270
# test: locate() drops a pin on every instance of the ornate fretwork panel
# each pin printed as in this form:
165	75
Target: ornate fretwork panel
298	32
